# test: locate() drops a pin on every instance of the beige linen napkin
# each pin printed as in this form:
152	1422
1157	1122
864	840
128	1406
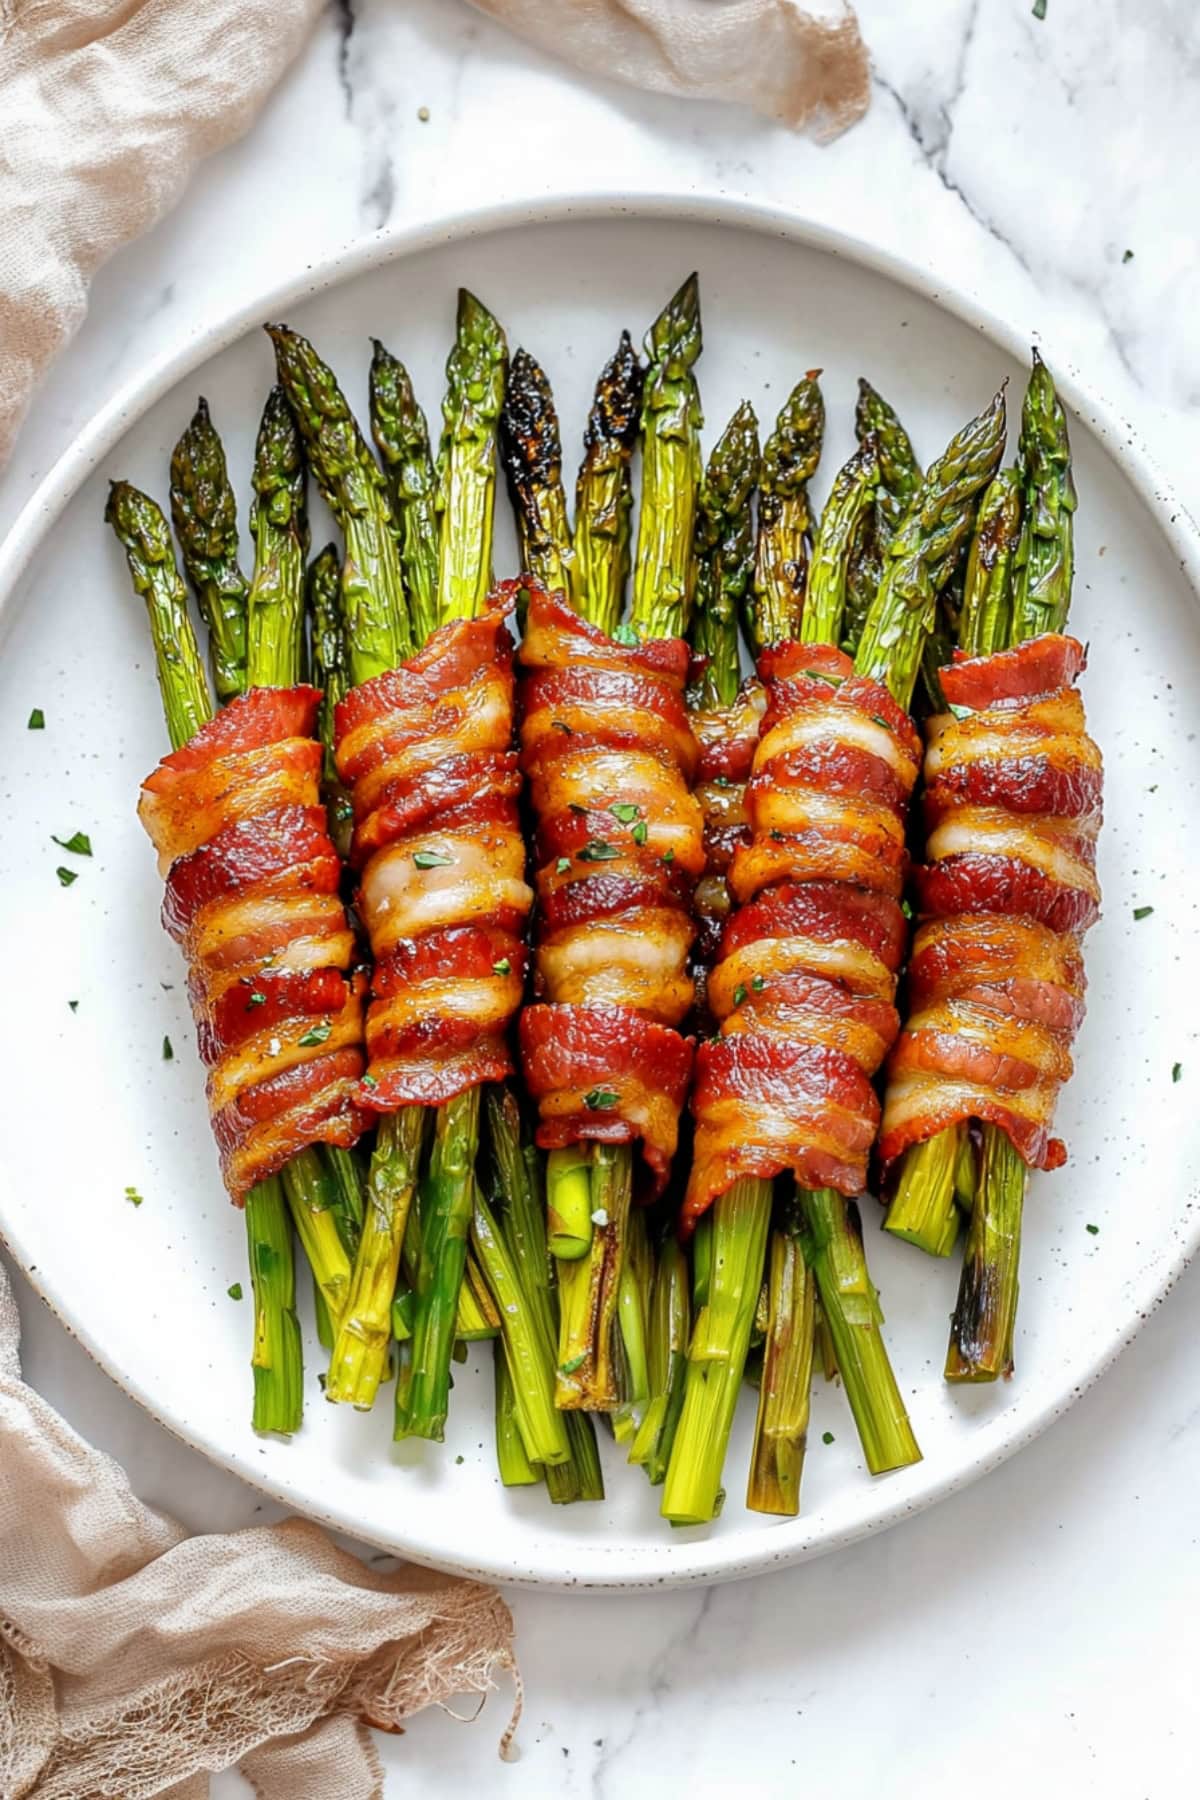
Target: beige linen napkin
106	106
134	1659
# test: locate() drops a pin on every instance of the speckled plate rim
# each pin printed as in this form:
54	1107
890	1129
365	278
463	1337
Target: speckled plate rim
705	1560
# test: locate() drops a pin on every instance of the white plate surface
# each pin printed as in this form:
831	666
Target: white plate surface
91	1107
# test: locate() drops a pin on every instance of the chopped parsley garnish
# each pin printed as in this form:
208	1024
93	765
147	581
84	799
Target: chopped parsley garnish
432	859
74	1005
640	832
168	1052
758	984
721	781
562	865
600	1100
79	843
1039	9
1176	1071
316	1034
625	812
66	876
906	909
961	712
625	634
598	851
1094	1229
370	1081
569	1368
256	999
133	1197
1142	912
235	1291
739	994
37	720
668	856
833	681
503	967
1128	257
827	1437
343	810
880	722
777	837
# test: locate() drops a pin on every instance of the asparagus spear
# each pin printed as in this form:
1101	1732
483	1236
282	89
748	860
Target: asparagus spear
899	478
475	377
279	521
402	439
205	516
789	462
781	1426
604	491
532	452
277	1358
981	1332
724	556
923	1210
671	422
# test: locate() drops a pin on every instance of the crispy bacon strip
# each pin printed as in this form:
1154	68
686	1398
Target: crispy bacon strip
252	899
609	754
804	988
426	752
728	736
1013	807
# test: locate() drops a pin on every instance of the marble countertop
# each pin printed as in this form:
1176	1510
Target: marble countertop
1040	1630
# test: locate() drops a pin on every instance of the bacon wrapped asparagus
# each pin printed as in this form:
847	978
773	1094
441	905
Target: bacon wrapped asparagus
1013	808
252	886
805	987
609	756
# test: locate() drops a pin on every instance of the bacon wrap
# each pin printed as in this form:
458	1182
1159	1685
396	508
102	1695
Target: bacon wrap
426	753
805	985
727	736
609	753
1013	808
252	899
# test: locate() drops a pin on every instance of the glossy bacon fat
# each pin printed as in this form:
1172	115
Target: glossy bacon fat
1013	807
426	752
252	899
804	988
609	754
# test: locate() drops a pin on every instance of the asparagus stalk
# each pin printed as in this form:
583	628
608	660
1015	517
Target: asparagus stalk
981	1332
899	479
402	439
475	377
789	462
514	1465
204	512
669	1332
330	673
531	447
279	521
781	1427
276	1358
604	490
923	1209
724	556
671	421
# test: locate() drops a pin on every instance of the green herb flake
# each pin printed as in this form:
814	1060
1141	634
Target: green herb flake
876	719
562	865
906	909
1128	257
79	843
576	1362
74	1005
827	1437
458	1459
1039	9
739	994
168	1052
758	984
316	1034
370	1081
722	781
625	634
1142	912
1094	1229
234	1290
961	712
668	856
256	999
66	876
625	812
432	859
343	811
503	967
600	1100
37	720
640	832
598	851
133	1197
1176	1071
833	681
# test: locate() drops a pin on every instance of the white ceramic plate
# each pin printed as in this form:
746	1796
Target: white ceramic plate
91	1107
